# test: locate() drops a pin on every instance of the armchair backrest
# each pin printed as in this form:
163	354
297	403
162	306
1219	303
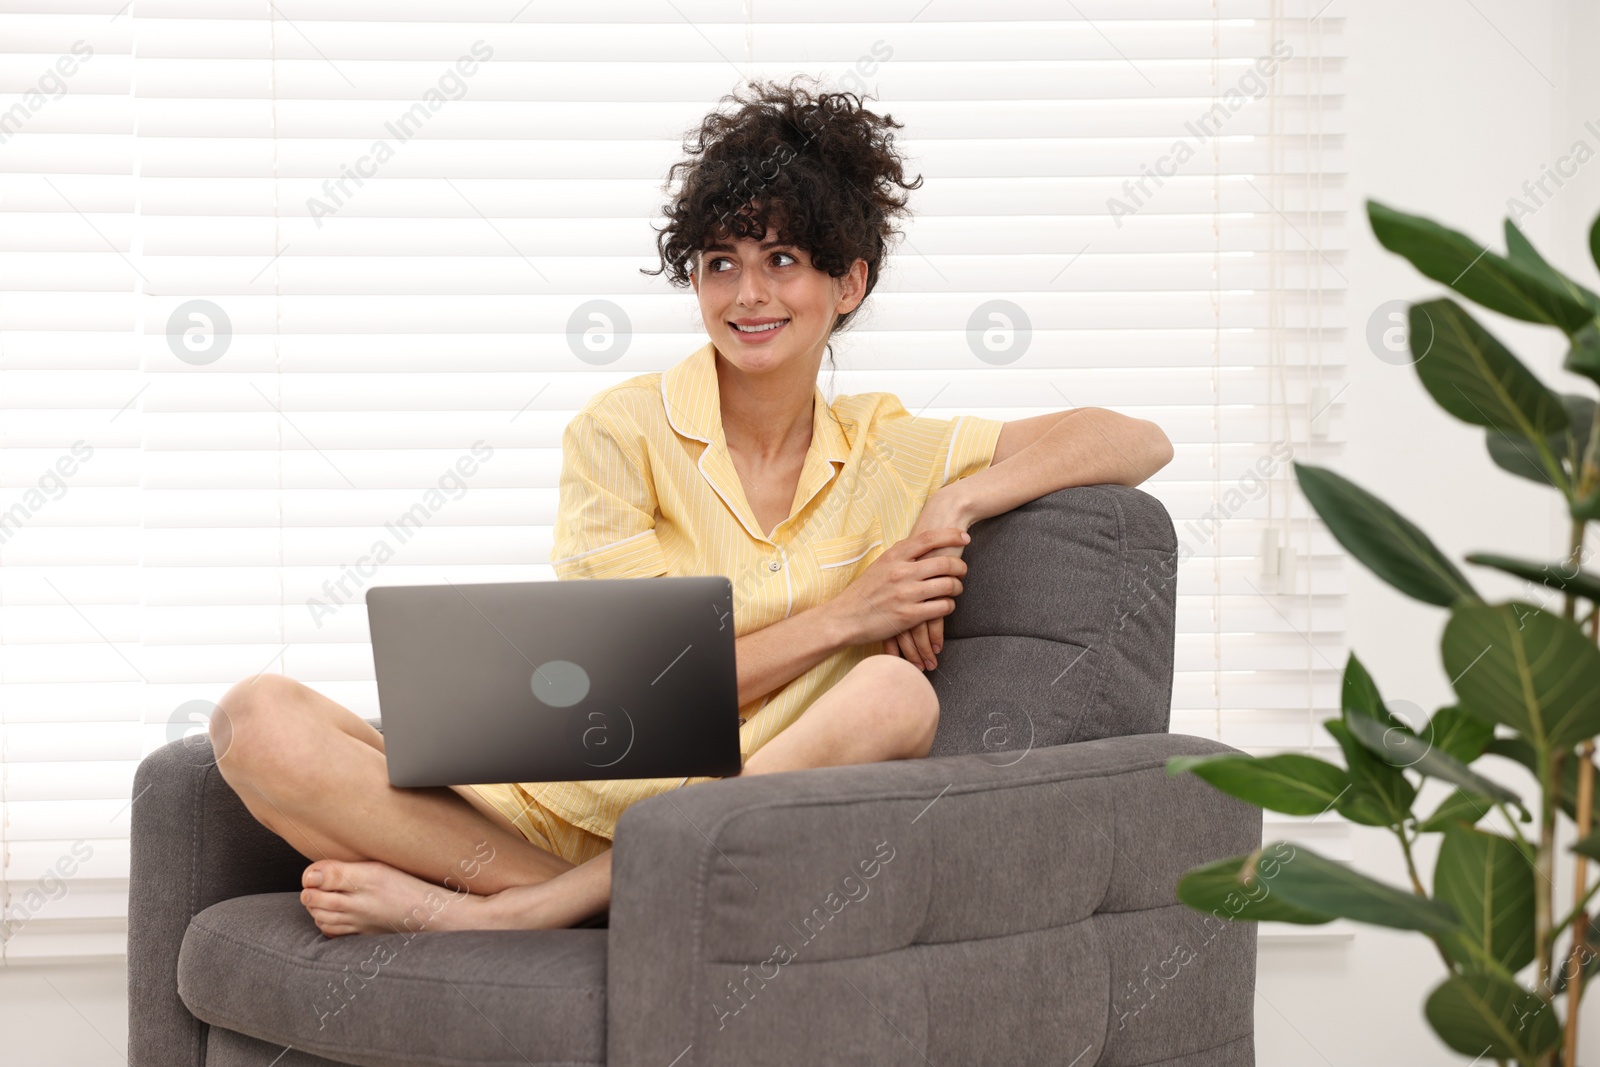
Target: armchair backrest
1064	630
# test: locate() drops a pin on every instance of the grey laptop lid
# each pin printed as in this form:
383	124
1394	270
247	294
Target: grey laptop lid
556	681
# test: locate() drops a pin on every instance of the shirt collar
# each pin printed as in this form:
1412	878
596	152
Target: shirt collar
694	407
694	410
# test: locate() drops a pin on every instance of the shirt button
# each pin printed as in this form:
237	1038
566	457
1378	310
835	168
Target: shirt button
774	565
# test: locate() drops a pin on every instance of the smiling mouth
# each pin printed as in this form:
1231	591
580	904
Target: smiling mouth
767	327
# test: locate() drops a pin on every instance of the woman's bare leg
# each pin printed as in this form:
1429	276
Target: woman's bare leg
884	709
313	772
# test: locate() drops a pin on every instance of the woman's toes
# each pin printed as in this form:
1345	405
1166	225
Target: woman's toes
322	900
332	924
334	876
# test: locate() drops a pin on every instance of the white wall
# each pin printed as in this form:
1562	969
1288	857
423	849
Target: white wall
67	1016
1444	118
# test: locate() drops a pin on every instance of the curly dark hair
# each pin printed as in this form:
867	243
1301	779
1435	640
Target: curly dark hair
819	168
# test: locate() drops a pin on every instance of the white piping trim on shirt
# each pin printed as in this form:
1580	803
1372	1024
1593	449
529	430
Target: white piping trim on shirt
852	559
950	453
787	584
602	548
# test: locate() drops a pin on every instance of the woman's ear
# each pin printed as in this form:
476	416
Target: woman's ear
851	288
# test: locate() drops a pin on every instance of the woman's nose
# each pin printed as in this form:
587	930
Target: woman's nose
752	288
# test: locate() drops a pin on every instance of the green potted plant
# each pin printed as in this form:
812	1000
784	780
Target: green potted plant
1526	676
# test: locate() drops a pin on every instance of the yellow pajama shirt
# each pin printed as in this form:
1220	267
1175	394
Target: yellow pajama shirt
648	488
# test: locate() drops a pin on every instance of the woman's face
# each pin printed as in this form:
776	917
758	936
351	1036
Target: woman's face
765	305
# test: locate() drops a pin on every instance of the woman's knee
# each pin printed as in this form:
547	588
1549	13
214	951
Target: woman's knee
904	705
256	722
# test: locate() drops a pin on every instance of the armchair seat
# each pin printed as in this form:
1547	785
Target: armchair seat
395	998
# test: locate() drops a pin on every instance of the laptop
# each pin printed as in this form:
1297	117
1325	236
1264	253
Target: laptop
556	681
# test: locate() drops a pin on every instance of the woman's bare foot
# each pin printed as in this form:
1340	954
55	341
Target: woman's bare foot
375	898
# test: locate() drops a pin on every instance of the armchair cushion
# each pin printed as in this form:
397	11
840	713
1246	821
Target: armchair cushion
384	999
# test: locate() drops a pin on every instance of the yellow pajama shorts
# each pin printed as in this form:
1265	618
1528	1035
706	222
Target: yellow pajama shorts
542	826
546	829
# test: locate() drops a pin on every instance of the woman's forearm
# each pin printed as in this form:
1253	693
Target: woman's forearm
774	655
1090	447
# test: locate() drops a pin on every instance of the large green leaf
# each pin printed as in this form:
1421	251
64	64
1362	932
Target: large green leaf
1558	576
1399	747
1358	693
1379	793
1468	267
1583	357
1521	251
1588	845
1489	881
1380	537
1526	668
1289	782
1474	377
1519	456
1519	750
1368	721
1480	1014
1218	888
1459	807
1594	241
1316	883
1458	733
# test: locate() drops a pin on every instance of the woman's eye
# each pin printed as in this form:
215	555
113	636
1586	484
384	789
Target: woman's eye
713	267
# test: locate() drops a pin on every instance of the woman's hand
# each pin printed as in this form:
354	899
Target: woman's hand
922	642
913	581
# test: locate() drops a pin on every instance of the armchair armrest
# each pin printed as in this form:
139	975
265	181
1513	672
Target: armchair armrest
954	908
193	844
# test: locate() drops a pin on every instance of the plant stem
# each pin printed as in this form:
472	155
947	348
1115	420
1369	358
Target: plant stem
1585	812
1511	821
1553	467
1411	864
1580	875
1549	774
1416	887
1586	467
1569	609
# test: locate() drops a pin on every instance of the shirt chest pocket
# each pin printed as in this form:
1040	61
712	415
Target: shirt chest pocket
841	559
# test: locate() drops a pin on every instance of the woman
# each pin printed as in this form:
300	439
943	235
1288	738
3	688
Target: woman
841	527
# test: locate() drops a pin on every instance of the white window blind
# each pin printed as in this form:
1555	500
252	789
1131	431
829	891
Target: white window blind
302	295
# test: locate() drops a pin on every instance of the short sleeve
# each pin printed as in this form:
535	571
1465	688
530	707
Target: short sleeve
931	453
605	522
970	447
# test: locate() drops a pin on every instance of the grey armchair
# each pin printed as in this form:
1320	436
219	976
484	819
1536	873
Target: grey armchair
1008	900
